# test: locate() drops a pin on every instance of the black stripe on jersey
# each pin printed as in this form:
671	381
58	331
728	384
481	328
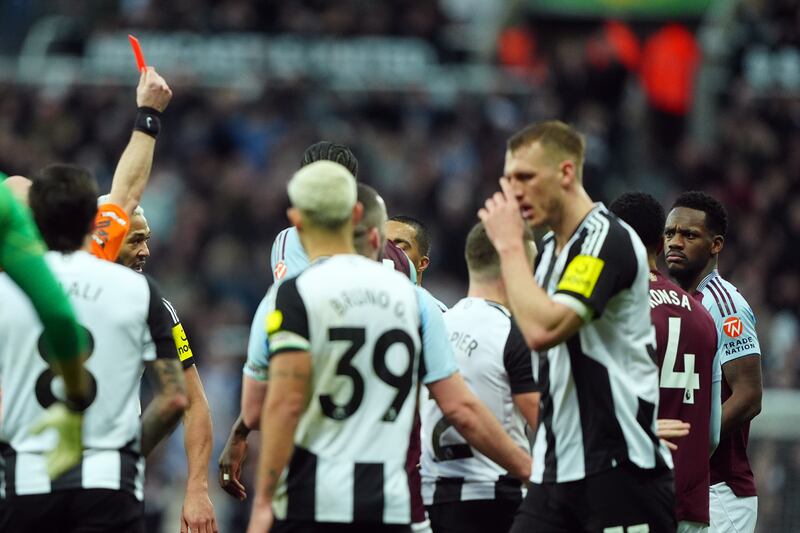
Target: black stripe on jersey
517	362
550	267
604	444
716	299
725	294
301	482
70	480
9	468
508	488
293	309
448	489
159	322
550	471
644	416
128	471
283	244
368	492
171	310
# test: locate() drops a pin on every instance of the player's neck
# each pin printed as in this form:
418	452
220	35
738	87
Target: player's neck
690	285
576	207
651	261
488	290
326	244
87	244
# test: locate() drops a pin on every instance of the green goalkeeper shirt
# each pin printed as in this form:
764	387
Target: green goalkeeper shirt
22	258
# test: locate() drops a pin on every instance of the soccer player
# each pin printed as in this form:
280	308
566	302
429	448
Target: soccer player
369	240
123	317
365	338
599	463
694	236
414	238
686	343
289	258
464	491
22	259
198	512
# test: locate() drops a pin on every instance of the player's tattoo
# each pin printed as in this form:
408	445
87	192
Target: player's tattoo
293	374
166	409
240	429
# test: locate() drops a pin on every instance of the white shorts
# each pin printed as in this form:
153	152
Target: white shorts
729	513
692	527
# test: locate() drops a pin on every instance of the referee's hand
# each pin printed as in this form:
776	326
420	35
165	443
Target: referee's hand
152	91
501	218
68	425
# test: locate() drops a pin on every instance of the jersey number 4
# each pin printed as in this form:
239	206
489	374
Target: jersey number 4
401	382
688	380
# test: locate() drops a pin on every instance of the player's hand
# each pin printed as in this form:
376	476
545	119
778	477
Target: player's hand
197	515
230	466
69	450
669	429
152	91
501	218
260	517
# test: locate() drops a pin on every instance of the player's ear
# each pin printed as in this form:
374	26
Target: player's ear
293	214
568	173
358	213
424	262
374	237
717	243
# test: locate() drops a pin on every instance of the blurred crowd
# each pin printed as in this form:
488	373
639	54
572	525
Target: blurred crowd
217	196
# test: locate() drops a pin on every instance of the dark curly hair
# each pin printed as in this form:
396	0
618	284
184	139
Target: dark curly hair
644	214
716	215
328	151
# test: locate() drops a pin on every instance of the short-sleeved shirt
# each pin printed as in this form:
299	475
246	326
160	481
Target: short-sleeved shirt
686	343
111	225
495	362
182	347
599	387
366	336
736	330
289	258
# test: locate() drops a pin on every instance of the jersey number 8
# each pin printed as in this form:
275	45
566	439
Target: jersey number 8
402	382
44	384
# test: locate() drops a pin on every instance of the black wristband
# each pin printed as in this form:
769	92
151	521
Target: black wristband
148	120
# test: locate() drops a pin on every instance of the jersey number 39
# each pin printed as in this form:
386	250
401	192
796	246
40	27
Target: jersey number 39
401	382
688	380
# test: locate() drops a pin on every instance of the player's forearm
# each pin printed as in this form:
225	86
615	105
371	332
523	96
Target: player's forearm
133	172
739	409
160	419
279	420
536	314
198	432
482	430
253	394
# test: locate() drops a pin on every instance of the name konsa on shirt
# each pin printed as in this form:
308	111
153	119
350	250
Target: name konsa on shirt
669	297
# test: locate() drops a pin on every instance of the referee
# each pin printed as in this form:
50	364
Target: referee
598	462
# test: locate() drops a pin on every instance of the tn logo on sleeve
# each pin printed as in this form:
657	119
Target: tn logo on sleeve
732	327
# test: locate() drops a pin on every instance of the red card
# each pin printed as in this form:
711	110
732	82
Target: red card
137	52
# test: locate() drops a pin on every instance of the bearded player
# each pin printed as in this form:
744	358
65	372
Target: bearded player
694	236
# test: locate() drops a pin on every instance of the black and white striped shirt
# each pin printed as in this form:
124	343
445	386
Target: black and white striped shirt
496	364
127	325
599	387
369	332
